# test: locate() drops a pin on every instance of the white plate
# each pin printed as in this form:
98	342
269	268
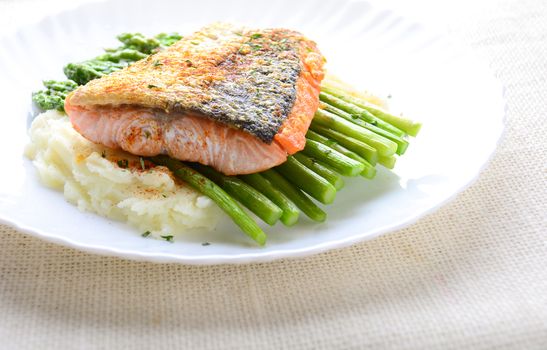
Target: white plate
454	95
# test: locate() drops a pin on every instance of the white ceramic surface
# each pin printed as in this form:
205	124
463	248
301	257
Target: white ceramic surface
441	84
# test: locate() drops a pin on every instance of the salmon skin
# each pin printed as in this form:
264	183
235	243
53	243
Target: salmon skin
261	82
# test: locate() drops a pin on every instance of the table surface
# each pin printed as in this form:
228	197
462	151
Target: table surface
471	275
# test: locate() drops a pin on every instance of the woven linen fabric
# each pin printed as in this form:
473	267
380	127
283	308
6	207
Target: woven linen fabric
473	275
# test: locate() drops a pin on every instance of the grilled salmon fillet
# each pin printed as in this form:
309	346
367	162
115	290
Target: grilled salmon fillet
237	99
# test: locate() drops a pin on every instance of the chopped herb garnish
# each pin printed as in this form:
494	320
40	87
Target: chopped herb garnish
103	154
255	47
205	244
194	42
142	163
164	195
256	36
189	63
123	163
147	134
146	234
168	238
150	86
157	63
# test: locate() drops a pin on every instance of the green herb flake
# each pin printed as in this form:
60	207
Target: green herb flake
146	234
193	42
147	134
168	238
255	47
157	63
256	36
150	86
123	163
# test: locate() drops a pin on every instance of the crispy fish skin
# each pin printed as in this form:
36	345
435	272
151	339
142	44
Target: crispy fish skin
251	80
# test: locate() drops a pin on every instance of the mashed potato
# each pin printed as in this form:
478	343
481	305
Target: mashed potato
114	184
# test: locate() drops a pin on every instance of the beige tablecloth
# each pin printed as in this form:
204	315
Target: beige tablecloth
472	275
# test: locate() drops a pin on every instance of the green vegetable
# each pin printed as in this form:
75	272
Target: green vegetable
255	201
341	163
359	112
307	180
321	169
168	39
369	171
217	194
168	238
123	163
364	150
410	127
388	162
295	195
382	145
53	97
85	71
402	144
135	47
290	210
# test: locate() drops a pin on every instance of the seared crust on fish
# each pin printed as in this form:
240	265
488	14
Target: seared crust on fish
262	83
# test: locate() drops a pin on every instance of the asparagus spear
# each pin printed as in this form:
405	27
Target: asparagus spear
369	171
290	210
217	194
410	127
402	144
388	162
344	165
307	180
382	145
359	112
295	195
366	151
255	201
321	169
